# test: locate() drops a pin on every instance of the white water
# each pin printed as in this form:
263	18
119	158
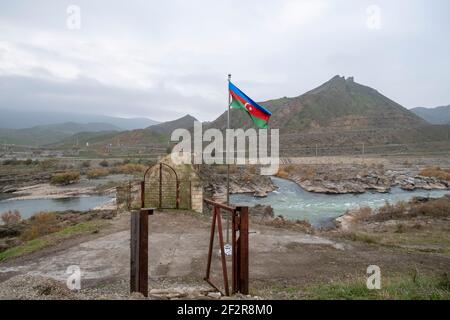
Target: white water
292	202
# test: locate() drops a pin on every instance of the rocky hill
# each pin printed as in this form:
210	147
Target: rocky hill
338	114
337	104
341	112
154	135
185	122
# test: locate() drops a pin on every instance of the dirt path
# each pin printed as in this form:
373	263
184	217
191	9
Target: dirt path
178	250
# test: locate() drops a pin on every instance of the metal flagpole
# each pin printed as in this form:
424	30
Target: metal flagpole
228	165
228	127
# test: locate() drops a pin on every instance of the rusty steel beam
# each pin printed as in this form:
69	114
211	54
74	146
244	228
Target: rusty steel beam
143	253
139	251
160	185
211	244
219	205
222	252
143	194
243	250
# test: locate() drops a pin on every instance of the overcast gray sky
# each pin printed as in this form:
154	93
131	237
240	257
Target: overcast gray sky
163	59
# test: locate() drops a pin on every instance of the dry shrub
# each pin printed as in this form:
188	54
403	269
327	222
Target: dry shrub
299	225
286	171
233	169
437	208
86	164
363	213
130	168
407	163
252	169
65	178
433	208
11	217
392	211
309	173
282	173
436	172
97	173
290	168
222	169
104	163
40	224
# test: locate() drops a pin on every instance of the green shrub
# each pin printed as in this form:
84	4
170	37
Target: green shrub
97	173
65	178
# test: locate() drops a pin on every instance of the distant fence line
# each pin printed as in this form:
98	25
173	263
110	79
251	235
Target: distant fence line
292	149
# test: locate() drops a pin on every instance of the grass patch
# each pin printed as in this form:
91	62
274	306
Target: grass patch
399	287
361	237
52	239
81	228
27	247
405	288
434	241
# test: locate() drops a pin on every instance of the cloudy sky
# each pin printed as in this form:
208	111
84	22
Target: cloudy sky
163	59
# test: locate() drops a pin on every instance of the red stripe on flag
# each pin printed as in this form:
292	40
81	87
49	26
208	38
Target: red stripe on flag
250	108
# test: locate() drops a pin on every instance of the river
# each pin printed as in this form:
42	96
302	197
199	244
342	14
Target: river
293	202
28	207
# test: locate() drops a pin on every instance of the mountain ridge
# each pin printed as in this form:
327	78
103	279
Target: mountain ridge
13	119
337	103
436	115
48	134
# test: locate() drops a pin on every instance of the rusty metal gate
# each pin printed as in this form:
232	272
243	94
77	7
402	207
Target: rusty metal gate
239	247
162	189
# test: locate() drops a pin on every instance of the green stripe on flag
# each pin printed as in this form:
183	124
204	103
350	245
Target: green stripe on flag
236	104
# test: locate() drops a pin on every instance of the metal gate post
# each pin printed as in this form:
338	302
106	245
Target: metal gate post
242	244
160	185
139	251
143	194
178	194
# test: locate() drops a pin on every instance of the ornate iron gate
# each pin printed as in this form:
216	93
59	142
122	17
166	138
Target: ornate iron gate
162	188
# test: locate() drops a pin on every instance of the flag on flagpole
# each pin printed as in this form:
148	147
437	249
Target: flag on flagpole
239	100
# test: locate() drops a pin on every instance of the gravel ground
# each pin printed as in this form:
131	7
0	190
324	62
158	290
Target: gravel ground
29	287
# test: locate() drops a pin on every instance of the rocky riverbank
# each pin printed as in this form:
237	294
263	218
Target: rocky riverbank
242	180
422	224
359	179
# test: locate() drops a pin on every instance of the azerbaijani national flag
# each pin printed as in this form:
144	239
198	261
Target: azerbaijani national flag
257	113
